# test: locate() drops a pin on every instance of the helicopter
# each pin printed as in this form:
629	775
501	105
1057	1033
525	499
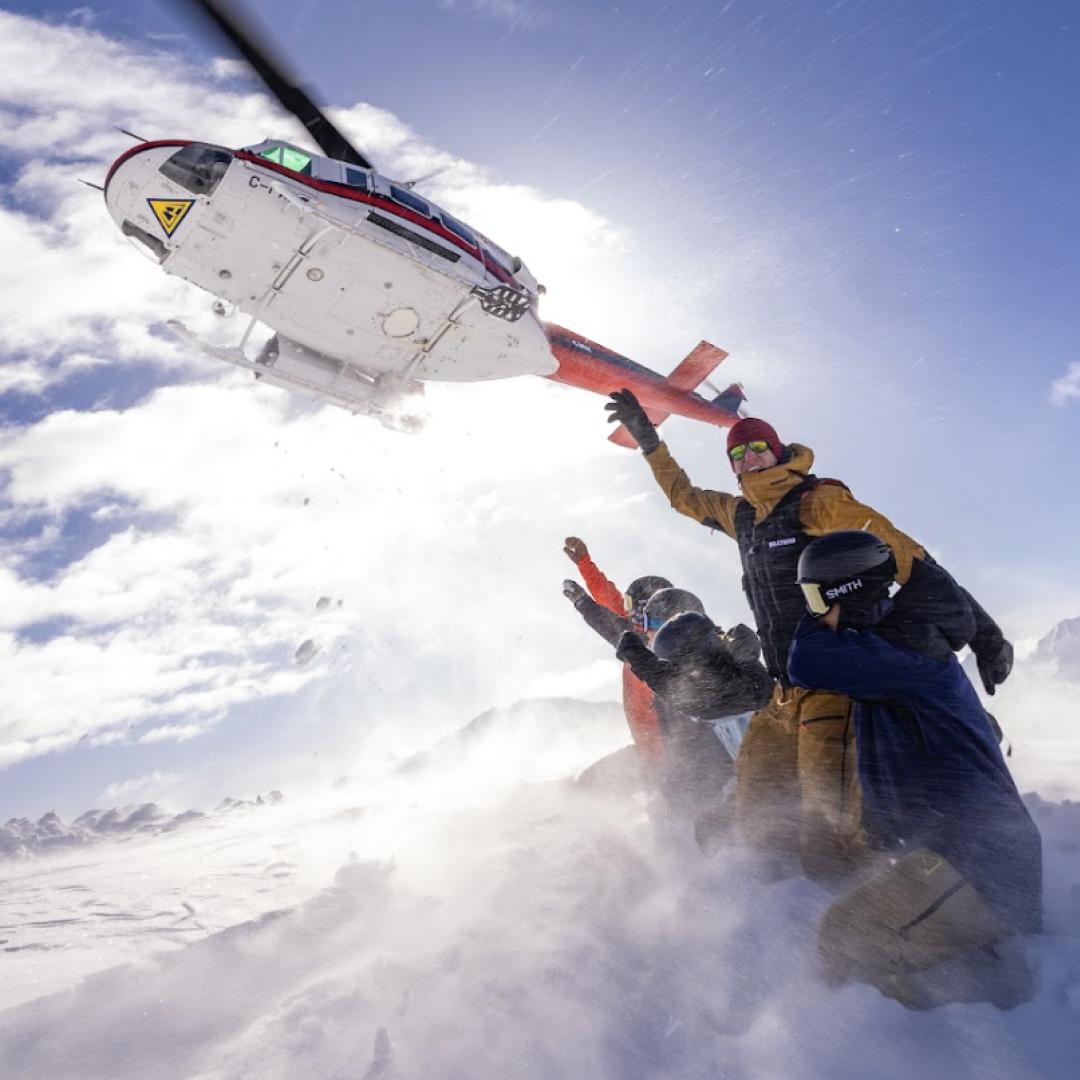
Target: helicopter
369	288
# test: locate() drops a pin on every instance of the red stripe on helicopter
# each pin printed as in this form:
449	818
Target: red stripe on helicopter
138	149
343	191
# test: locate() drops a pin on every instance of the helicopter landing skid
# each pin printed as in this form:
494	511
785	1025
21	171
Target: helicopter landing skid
292	367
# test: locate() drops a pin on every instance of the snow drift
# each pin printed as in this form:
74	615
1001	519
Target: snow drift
534	930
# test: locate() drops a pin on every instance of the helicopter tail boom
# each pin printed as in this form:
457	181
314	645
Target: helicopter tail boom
589	366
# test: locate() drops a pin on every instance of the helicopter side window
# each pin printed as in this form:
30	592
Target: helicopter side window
198	168
407	198
295	160
356	178
458	229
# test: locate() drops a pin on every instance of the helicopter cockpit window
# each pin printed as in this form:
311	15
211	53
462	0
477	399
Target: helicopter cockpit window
198	168
407	198
356	178
296	160
458	229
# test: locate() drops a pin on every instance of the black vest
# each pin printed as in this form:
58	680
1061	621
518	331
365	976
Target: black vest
770	557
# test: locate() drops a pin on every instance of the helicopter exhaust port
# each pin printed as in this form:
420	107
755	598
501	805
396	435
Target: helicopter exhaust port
502	301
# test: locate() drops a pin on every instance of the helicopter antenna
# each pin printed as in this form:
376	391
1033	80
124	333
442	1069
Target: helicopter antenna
410	184
290	94
130	134
96	187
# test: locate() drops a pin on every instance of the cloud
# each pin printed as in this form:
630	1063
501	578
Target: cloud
139	788
1067	388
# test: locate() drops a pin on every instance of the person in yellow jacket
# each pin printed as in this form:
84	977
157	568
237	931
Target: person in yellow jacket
797	787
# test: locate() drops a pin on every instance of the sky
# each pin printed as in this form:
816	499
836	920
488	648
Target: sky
871	207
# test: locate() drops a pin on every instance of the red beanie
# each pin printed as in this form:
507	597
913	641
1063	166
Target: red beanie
749	429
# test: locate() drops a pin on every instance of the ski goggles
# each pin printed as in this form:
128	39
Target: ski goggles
815	602
651	622
818	602
633	608
758	446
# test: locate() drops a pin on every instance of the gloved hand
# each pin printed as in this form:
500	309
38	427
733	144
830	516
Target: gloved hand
573	592
743	644
575	549
626	409
630	647
994	665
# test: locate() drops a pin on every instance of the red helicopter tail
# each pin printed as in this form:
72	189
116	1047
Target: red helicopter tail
687	376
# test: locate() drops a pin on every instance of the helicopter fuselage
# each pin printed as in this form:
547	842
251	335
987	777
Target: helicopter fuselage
349	265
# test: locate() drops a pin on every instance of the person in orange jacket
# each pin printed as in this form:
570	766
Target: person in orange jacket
685	760
628	609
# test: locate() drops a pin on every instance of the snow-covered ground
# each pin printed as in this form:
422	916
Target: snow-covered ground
472	914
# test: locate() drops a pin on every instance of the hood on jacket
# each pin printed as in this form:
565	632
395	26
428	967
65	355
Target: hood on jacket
763	490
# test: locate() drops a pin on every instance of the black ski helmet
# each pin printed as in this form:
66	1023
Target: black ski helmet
851	566
639	591
667	603
687	635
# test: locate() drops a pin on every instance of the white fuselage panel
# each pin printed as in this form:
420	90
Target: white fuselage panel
321	270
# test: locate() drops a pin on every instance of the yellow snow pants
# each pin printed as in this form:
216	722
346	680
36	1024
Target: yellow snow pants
797	787
909	915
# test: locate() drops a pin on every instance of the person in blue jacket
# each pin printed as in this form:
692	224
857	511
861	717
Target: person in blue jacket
961	867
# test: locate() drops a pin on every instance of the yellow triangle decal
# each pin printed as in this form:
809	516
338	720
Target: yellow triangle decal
170	212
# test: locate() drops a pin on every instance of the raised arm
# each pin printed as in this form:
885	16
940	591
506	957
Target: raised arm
601	588
714	508
599	618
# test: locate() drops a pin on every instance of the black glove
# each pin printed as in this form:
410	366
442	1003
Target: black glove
573	592
631	647
994	664
743	644
625	409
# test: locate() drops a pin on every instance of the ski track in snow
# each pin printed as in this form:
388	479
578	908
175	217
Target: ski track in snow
447	928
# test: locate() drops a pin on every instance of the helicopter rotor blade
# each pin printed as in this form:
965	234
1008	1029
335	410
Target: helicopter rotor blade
289	93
